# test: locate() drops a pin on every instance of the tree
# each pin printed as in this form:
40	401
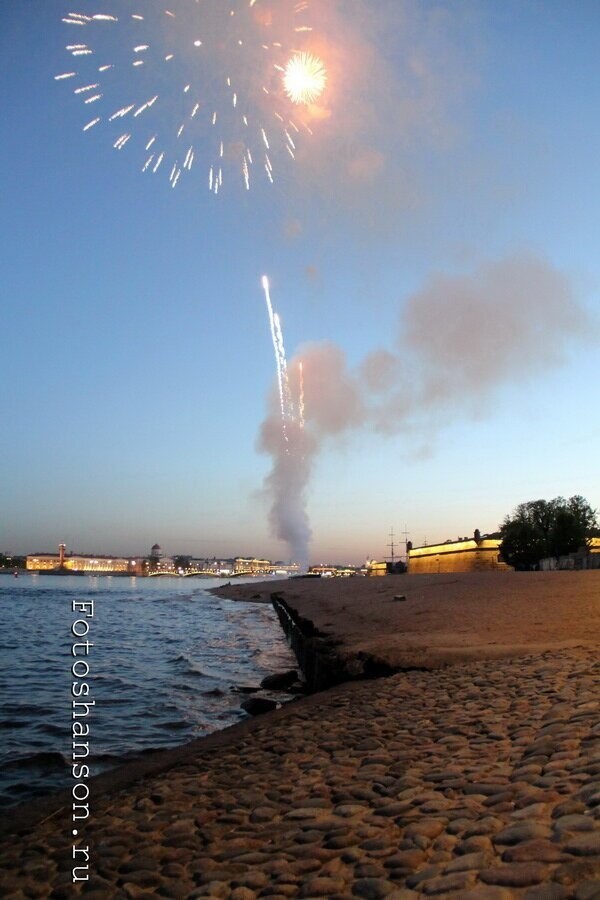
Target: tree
541	528
12	562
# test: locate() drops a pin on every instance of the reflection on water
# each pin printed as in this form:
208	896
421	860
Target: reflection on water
165	655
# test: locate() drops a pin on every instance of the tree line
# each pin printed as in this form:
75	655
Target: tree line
540	529
12	562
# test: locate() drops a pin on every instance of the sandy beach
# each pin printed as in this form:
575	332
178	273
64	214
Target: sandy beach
432	620
474	773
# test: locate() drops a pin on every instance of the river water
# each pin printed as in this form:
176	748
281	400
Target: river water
163	658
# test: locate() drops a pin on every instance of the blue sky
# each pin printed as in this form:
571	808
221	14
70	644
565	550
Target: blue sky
136	357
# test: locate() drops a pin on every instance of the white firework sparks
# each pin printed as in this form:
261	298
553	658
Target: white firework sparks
214	74
290	411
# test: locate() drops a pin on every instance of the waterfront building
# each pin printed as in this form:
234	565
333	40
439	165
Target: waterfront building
155	555
42	562
154	564
587	557
194	565
222	567
91	564
243	565
336	571
159	564
377	568
281	568
479	553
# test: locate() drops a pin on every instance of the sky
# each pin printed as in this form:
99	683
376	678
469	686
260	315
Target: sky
432	251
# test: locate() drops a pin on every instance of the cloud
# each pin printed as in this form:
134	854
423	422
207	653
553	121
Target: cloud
467	334
365	164
292	228
398	77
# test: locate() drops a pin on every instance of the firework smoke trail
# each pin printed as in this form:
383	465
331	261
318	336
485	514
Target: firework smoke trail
291	449
301	394
242	74
277	340
287	402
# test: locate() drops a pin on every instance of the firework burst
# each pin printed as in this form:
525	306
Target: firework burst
305	78
219	87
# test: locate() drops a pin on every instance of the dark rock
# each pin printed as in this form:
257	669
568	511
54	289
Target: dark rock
547	892
534	851
577	872
584	845
589	890
298	687
515	874
408	860
573	822
467	862
522	831
373	888
445	884
430	872
279	681
255	706
321	886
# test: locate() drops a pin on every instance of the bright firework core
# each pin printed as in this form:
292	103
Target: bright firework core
305	78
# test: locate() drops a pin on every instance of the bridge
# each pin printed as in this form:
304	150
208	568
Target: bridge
188	573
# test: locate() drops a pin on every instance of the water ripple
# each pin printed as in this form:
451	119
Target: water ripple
164	658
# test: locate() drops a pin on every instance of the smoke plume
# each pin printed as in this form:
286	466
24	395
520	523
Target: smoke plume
460	340
287	482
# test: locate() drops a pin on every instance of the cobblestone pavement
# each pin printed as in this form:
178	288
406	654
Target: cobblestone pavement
481	780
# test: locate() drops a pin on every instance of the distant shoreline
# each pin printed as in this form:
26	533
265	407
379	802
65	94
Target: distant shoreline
67	572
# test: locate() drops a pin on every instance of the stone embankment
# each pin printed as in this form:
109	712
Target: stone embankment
479	779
